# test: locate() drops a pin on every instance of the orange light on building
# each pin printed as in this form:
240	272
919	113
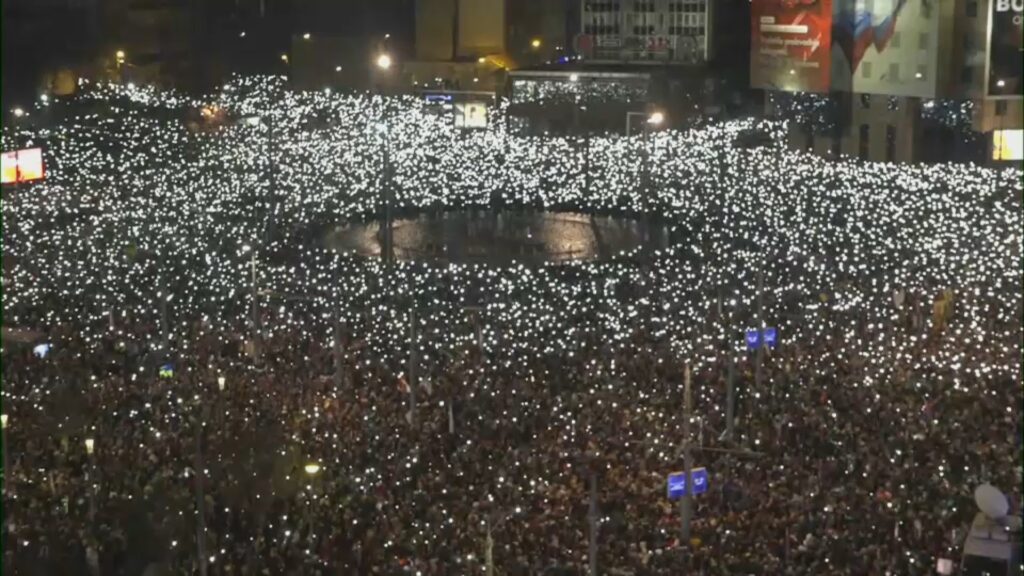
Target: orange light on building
21	166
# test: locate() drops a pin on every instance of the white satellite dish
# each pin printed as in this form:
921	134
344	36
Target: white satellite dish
991	501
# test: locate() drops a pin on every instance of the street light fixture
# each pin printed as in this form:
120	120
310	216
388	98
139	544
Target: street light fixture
312	468
221	381
284	58
384	61
535	43
656	118
120	57
3	421
18	112
1001	83
90	446
306	36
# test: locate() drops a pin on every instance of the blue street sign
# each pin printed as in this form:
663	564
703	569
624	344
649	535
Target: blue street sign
767	337
677	483
435	98
753	339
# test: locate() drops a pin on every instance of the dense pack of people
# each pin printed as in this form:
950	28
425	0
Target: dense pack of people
193	382
828	472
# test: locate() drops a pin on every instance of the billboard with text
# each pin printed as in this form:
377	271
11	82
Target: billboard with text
791	45
1004	49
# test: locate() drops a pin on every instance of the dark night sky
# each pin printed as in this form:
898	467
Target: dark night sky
66	40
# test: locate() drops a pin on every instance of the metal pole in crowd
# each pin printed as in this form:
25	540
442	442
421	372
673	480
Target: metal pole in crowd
594	527
255	310
686	502
412	365
385	190
337	327
730	406
200	498
759	325
489	550
164	320
646	170
3	448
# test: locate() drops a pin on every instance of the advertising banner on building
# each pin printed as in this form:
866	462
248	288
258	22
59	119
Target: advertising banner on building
1004	49
791	45
1008	145
22	165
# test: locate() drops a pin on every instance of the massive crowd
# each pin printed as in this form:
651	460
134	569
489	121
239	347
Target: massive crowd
472	439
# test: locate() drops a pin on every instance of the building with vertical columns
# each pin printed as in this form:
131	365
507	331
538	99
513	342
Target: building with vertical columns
647	31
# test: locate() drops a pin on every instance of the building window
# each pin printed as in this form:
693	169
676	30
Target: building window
894	103
921	72
865	68
894	72
923	41
865	101
972	8
890	143
808	138
1000	107
837	142
895	42
865	133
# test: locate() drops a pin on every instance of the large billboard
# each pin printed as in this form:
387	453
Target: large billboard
791	45
21	166
889	47
1008	145
1004	49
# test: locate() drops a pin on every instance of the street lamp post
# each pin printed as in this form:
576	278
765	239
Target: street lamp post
384	63
686	502
3	447
120	57
653	119
199	424
594	524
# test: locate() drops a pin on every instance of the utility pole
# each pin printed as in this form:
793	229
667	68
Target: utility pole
646	167
200	498
412	364
730	375
337	327
255	311
489	550
686	502
759	324
594	527
164	321
385	191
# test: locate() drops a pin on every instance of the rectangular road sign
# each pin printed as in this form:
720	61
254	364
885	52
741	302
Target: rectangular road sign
677	483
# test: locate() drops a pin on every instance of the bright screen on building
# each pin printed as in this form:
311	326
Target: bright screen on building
21	165
471	115
1008	145
791	45
1004	49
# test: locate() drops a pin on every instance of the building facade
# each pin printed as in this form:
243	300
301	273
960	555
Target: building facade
646	31
902	80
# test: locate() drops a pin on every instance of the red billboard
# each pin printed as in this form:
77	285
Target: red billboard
791	45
